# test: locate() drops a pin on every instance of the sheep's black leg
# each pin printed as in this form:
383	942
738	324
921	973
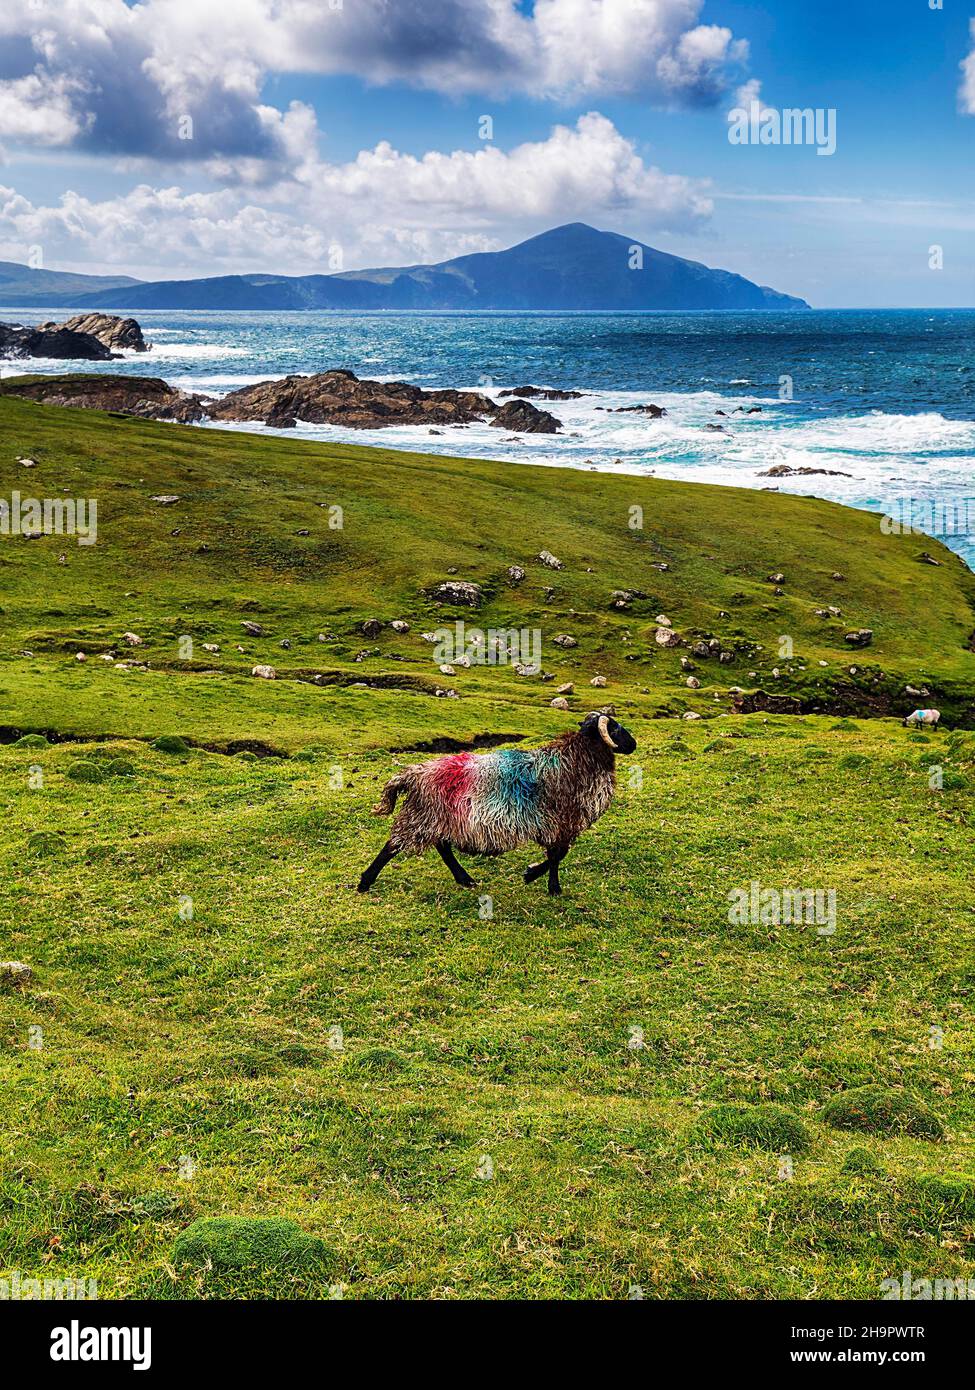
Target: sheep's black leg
555	856
536	870
377	866
460	874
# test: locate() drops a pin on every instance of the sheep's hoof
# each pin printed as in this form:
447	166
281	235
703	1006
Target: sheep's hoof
466	883
555	892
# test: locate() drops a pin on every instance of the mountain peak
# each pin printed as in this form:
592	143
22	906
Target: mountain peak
573	267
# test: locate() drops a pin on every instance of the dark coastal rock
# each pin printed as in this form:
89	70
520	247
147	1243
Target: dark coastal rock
544	393
341	398
654	411
115	333
782	470
281	419
147	396
61	343
525	417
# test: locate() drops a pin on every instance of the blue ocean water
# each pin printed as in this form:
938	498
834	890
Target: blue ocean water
885	400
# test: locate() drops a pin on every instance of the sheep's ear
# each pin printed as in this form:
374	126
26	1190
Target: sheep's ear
589	722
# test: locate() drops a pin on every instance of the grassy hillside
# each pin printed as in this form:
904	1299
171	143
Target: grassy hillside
488	1094
231	550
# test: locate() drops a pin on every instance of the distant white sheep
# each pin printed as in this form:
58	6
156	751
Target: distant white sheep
923	716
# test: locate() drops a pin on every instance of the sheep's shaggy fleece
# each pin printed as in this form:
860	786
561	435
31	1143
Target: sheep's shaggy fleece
487	803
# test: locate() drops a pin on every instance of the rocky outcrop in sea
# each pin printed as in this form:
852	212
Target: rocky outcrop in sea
341	398
331	398
89	337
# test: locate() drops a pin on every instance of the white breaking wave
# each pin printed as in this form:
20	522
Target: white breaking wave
203	351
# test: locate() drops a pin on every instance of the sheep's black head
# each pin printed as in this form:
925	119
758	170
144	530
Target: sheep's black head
610	730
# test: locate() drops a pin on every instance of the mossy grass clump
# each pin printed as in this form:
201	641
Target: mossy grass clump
170	743
381	1061
298	1055
931	758
878	1110
946	1196
84	770
854	761
250	1244
120	767
45	842
952	781
755	1126
862	1161
31	741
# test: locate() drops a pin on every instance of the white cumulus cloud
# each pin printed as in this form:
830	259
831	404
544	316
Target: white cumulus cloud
119	79
383	207
966	92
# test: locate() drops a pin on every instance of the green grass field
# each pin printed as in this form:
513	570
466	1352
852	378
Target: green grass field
487	1094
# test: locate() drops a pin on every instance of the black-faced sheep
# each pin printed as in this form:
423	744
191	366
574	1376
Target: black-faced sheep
487	803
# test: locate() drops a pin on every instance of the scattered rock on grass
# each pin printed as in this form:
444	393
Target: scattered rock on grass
459	591
265	673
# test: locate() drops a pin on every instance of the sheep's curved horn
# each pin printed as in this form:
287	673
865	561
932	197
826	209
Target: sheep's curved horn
602	723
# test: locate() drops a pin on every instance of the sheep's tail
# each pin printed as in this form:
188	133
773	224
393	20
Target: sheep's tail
387	802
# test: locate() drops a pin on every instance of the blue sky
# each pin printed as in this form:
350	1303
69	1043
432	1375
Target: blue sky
354	140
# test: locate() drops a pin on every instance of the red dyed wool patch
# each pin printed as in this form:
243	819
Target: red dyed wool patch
452	776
